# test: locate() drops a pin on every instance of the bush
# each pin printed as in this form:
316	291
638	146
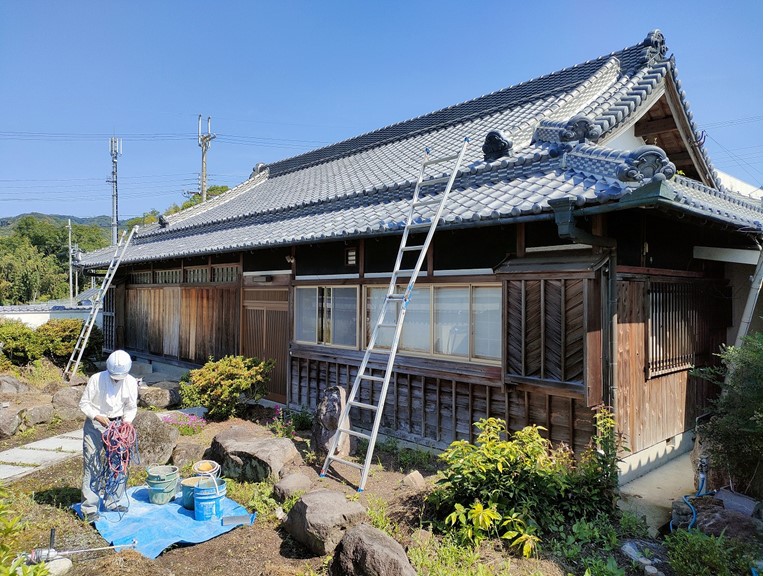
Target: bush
222	385
734	434
10	525
694	553
186	424
522	487
58	338
20	343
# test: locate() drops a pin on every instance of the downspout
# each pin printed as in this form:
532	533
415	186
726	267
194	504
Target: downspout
566	229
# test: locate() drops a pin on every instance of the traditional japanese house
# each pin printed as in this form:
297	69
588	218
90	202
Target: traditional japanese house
589	254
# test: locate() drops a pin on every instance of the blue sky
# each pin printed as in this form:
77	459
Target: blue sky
281	78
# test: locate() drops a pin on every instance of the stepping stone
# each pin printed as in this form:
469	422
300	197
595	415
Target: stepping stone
58	444
36	457
8	471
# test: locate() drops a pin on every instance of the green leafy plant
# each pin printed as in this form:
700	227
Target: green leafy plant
302	420
10	525
58	338
222	385
692	553
734	434
282	423
20	343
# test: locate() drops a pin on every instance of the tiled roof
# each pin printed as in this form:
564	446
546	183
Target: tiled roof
361	186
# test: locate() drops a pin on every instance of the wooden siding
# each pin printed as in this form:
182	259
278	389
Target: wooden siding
185	323
652	410
435	404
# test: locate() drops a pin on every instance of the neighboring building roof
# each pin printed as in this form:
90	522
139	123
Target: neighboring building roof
559	128
82	301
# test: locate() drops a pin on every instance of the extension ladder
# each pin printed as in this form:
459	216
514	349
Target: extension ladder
396	304
85	333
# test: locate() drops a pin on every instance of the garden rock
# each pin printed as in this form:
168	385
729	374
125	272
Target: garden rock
68	397
156	438
248	459
38	414
187	453
319	519
9	422
10	385
59	566
367	550
330	407
292	484
415	480
160	395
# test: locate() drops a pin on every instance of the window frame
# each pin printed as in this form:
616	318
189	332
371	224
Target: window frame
324	314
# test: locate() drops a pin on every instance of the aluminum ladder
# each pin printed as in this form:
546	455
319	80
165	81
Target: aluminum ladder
396	303
85	333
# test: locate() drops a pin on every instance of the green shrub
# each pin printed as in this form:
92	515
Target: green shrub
734	434
58	338
20	343
10	525
523	487
695	553
222	385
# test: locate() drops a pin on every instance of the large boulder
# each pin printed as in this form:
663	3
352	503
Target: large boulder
187	453
66	403
11	385
250	459
156	438
160	395
292	484
9	422
713	518
365	550
319	519
330	407
38	414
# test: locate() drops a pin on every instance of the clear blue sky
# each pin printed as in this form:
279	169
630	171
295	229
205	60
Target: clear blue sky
281	78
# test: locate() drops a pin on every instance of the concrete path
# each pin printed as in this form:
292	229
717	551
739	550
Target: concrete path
23	460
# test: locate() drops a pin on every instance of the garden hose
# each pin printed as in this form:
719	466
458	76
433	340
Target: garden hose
121	445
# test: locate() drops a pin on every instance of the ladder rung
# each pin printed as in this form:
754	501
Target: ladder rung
396	297
347	462
413	248
355	433
443	159
404	272
371	377
387	325
363	405
420	225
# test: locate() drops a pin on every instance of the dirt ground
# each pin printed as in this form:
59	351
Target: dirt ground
261	549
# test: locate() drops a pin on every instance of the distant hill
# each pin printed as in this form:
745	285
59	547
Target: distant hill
7	224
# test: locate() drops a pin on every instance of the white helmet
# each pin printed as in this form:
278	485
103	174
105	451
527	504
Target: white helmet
119	364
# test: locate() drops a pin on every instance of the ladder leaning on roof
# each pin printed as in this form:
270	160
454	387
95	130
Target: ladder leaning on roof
85	333
396	302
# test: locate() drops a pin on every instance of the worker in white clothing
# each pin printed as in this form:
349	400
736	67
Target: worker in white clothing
109	395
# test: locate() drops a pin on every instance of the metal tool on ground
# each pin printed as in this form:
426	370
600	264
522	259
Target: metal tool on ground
242	519
418	221
98	301
39	555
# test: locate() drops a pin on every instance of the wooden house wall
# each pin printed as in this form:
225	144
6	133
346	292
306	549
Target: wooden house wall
185	323
434	403
652	410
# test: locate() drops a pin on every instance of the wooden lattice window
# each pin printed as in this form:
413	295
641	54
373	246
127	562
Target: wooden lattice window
108	320
140	277
168	276
679	317
226	273
198	275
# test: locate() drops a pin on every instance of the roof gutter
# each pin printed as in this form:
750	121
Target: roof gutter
565	218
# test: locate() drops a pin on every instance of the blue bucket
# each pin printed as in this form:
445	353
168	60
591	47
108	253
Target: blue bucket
208	494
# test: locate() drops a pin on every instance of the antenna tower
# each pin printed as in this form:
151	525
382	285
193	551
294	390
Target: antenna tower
115	150
204	141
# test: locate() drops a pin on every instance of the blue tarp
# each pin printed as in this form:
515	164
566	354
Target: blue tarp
155	527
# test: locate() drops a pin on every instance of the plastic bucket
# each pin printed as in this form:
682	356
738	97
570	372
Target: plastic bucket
206	468
162	473
208	495
188	491
162	491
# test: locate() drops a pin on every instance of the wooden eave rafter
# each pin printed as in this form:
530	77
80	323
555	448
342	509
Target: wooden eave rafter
666	125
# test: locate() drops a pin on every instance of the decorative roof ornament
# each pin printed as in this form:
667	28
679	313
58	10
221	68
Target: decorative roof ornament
497	144
580	129
644	163
657	47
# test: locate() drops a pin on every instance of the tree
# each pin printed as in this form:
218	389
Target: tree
196	198
28	275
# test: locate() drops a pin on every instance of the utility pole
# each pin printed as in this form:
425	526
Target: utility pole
204	141
115	150
69	251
